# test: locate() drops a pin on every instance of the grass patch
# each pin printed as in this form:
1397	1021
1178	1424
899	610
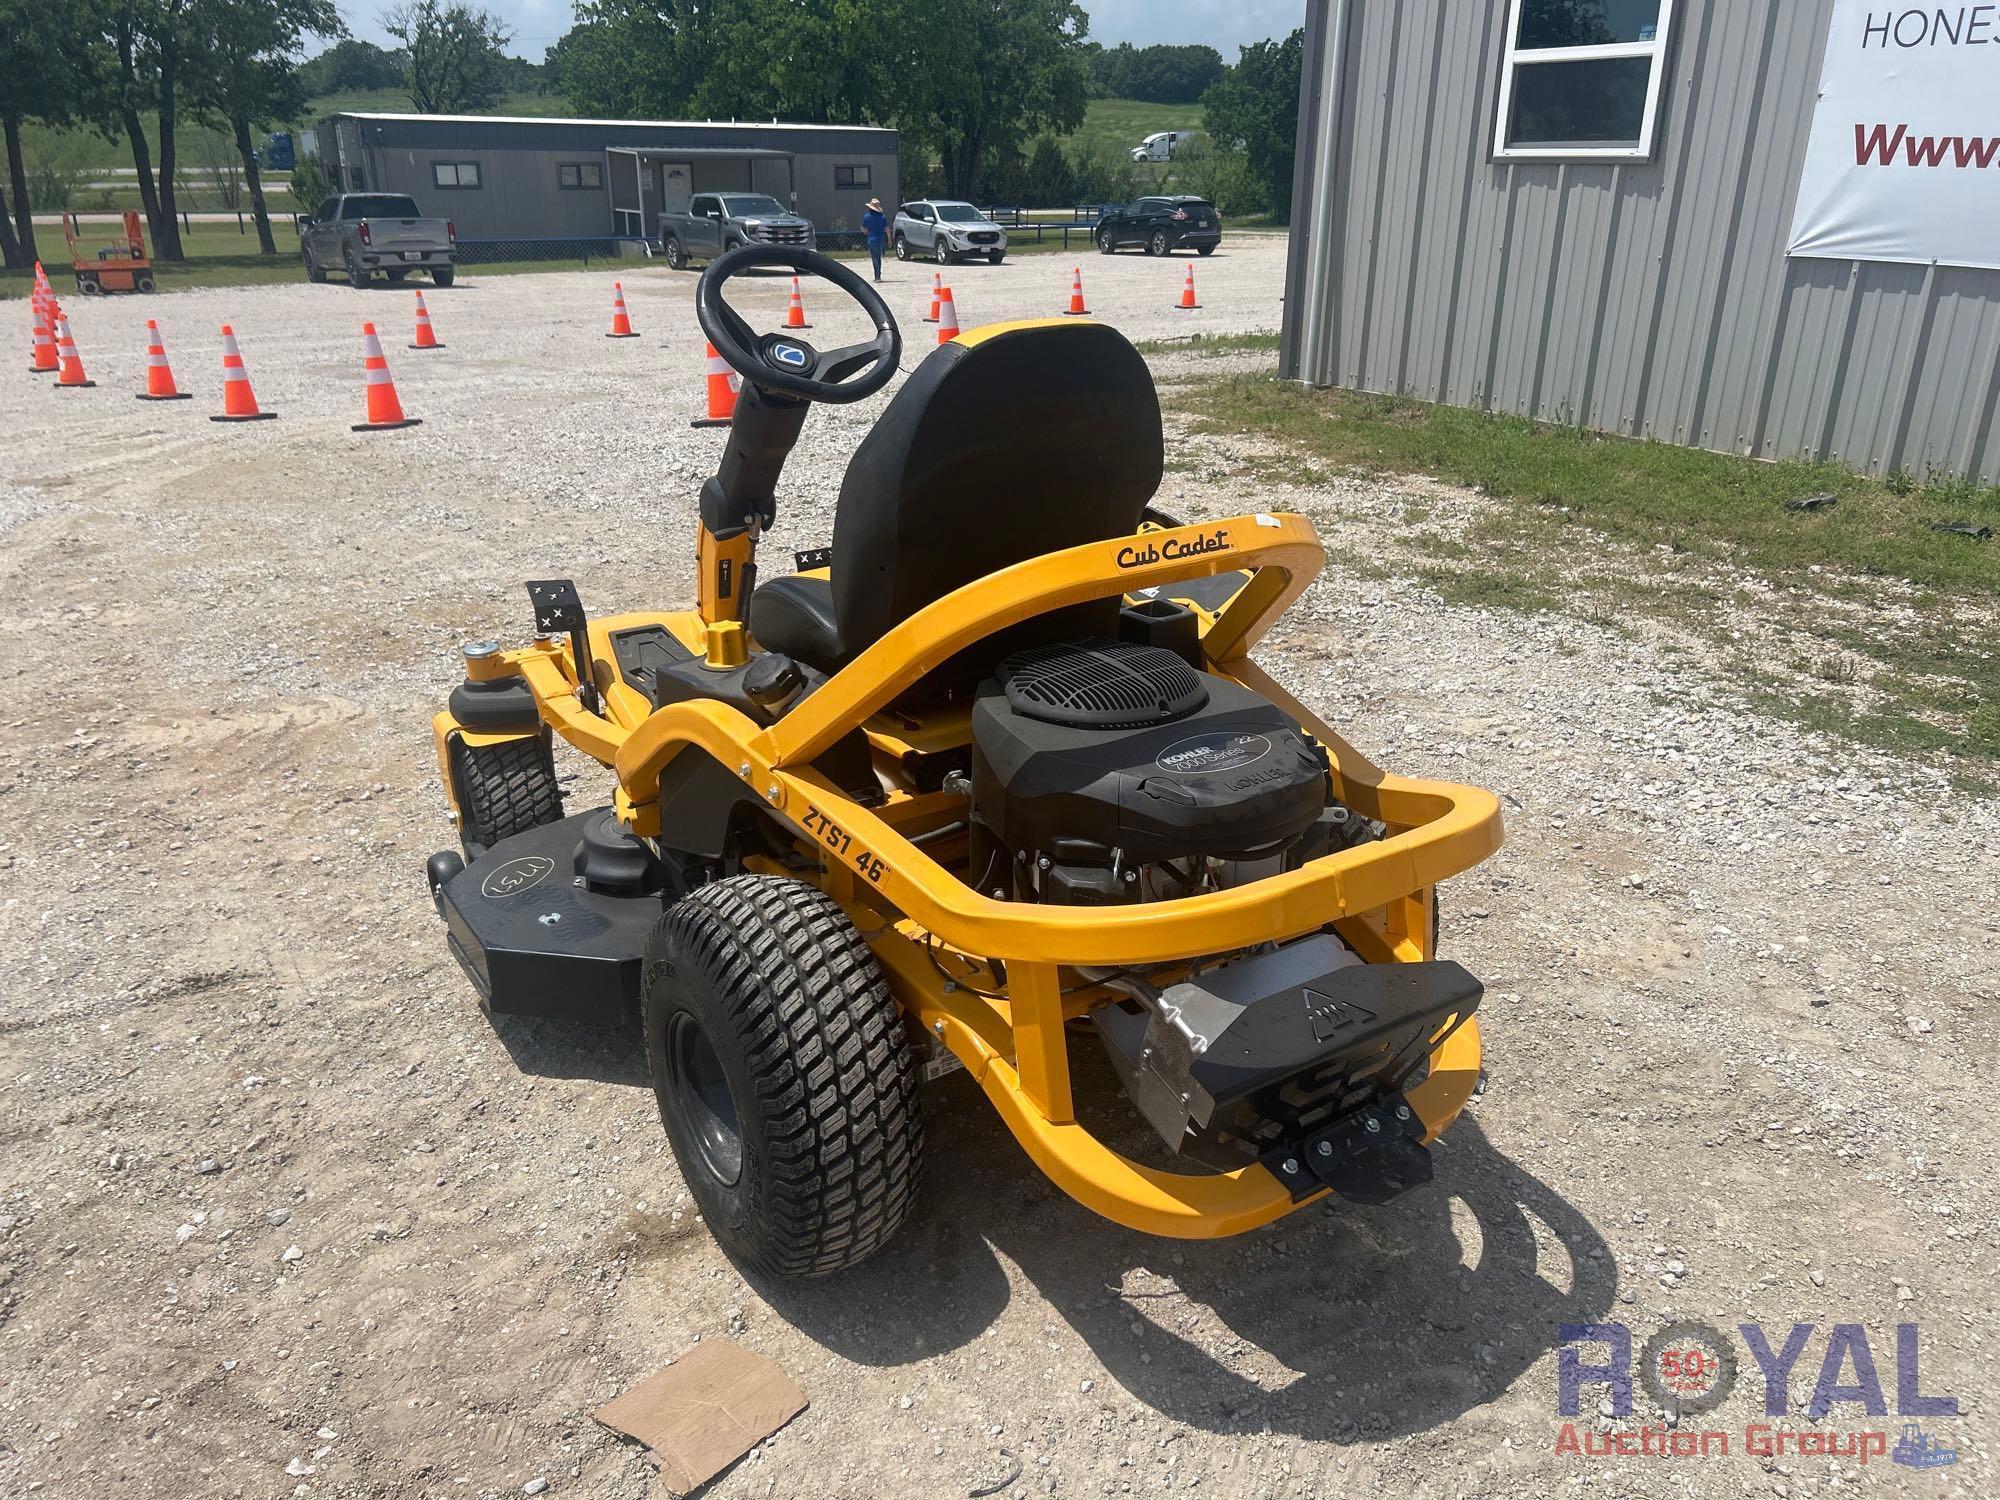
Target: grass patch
1213	343
1644	493
1117	125
1918	675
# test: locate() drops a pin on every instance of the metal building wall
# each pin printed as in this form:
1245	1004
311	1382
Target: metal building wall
1652	299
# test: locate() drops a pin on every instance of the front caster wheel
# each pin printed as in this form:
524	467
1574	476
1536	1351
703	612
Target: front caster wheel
503	789
784	1074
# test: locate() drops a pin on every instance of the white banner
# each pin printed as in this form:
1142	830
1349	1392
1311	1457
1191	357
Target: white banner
1904	160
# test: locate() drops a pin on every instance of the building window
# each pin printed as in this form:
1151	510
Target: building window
1581	79
852	177
579	174
455	174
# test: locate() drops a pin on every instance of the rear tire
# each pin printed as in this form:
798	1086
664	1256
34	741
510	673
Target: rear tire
784	1074
356	277
315	273
675	253
1204	249
1158	244
443	275
503	790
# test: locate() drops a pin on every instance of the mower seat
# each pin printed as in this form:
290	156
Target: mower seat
1010	441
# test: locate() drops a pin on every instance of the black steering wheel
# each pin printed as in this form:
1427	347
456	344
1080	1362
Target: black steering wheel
784	362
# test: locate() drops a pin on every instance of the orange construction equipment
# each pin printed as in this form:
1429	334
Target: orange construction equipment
1187	302
795	315
159	375
937	291
426	337
1076	309
385	412
621	325
239	402
722	386
72	377
121	266
947	316
44	360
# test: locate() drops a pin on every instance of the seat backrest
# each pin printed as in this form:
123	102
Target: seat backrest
1012	441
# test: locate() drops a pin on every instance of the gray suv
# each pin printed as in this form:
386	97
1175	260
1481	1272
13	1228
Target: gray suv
947	232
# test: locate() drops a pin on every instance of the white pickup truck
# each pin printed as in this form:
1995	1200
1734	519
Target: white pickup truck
363	233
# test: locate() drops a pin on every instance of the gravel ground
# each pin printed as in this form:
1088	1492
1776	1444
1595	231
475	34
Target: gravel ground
283	1214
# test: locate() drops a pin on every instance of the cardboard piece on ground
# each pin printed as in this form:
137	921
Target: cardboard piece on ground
705	1410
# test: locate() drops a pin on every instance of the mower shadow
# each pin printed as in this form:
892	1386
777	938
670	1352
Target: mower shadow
563	1049
1335	1324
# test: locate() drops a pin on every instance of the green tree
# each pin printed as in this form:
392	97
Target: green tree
965	79
35	84
244	77
453	61
351	66
131	59
1159	74
1254	108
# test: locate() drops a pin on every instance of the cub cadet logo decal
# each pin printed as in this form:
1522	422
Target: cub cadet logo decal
841	842
1207	753
789	354
516	876
1172	548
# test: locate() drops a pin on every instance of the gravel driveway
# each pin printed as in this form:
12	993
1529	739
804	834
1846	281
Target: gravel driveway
283	1214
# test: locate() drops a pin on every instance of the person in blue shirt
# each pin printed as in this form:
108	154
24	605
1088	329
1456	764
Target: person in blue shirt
875	227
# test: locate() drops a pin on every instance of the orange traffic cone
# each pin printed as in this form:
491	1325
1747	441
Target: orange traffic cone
795	315
1076	309
937	291
239	402
72	376
385	412
1187	302
44	360
947	316
426	337
621	325
722	384
159	376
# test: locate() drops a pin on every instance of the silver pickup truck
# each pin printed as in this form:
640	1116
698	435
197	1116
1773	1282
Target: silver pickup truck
362	233
716	222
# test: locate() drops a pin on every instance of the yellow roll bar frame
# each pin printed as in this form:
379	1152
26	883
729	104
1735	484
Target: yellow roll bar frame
1377	895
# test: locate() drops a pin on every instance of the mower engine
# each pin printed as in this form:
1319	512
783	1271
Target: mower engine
1111	772
1114	772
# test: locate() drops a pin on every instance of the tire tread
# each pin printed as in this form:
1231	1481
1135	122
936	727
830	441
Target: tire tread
830	1061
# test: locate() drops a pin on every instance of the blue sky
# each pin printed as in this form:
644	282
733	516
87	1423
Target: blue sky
1223	24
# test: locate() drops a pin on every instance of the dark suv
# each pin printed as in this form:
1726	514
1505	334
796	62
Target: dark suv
1162	225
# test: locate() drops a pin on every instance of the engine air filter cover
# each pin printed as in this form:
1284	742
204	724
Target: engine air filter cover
1102	685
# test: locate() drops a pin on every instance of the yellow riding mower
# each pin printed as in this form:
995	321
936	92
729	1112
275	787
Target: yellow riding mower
990	774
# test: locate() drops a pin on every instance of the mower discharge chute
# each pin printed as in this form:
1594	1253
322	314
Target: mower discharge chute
990	776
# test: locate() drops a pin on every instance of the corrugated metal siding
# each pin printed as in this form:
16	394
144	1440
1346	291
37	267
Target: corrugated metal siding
1652	299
